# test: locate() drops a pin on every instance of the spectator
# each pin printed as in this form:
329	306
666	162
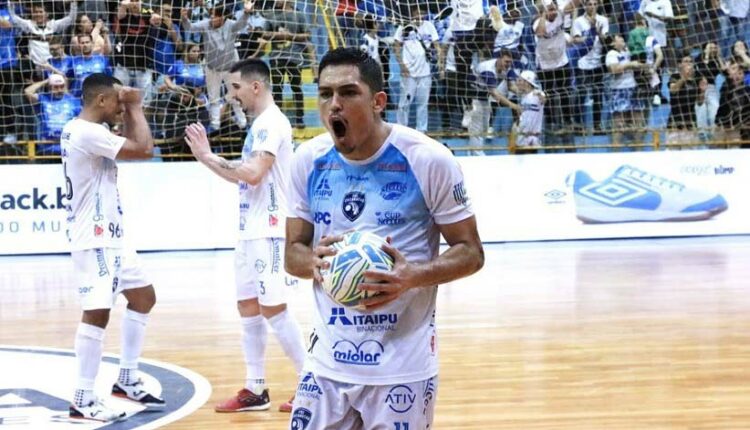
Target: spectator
134	46
289	41
58	63
733	22
637	37
658	13
87	63
734	106
198	12
709	67
219	35
251	42
649	51
509	33
40	28
345	11
11	78
588	30
55	109
685	91
463	25
625	107
455	105
184	100
491	80
529	128
370	39
98	32
413	46
740	55
552	61
167	40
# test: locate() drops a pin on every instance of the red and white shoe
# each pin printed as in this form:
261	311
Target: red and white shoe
245	400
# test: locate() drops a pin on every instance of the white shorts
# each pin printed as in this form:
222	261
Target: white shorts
259	271
325	404
103	273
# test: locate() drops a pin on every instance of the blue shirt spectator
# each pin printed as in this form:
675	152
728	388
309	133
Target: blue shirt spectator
55	109
189	72
87	63
167	39
8	52
59	62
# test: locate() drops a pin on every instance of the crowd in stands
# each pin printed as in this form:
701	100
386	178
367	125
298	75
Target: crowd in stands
553	64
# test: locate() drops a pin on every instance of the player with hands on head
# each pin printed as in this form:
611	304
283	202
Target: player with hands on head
95	231
391	181
263	179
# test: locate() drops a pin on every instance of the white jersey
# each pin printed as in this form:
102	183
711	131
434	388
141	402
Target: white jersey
486	78
650	48
413	52
509	36
625	79
405	190
450	56
532	116
370	45
657	27
581	27
263	207
551	49
94	218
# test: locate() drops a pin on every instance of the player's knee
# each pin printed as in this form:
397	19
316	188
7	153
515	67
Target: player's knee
141	300
248	307
272	311
96	317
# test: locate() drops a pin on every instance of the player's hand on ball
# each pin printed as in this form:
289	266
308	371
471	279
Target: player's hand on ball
324	249
197	140
387	285
130	96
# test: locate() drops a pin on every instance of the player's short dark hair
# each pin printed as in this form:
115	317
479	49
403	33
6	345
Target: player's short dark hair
95	84
252	67
369	69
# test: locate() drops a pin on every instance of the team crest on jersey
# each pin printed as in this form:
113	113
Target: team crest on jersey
301	419
353	205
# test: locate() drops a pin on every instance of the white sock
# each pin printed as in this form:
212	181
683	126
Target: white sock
290	338
88	346
254	335
133	332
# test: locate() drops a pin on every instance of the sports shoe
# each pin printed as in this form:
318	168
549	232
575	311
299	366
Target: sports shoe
631	194
287	406
136	393
96	411
245	400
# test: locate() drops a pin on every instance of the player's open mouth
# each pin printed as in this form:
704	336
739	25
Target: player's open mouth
338	127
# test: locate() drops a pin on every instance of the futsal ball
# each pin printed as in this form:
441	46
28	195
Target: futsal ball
358	252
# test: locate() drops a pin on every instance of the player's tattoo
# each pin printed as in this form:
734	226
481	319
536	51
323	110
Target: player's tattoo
230	165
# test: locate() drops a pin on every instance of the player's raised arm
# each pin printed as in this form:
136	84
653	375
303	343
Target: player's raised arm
250	171
139	144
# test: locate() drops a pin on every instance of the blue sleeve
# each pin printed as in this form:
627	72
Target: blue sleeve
488	79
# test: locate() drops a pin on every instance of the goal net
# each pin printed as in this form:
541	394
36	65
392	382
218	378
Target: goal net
481	76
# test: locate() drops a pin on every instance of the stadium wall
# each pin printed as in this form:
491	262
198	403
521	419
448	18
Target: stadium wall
180	206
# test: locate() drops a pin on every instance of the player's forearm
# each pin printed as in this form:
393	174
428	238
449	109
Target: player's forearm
460	260
136	128
298	260
226	169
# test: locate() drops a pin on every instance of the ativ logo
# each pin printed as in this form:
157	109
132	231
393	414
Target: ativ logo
34	200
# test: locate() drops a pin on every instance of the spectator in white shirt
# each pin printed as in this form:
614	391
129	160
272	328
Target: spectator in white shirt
588	30
552	61
413	52
40	29
658	14
625	107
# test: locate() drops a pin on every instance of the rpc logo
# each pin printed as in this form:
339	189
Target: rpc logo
35	200
322	217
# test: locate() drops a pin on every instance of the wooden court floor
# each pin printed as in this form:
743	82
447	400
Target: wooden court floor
635	334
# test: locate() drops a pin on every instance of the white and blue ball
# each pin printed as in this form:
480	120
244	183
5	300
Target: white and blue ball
358	252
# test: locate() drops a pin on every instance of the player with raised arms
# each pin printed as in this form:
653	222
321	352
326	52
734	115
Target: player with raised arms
374	366
104	269
263	178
